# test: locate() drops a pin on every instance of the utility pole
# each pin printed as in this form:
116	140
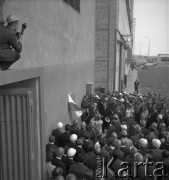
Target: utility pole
148	45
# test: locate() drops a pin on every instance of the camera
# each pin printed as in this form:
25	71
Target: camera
19	34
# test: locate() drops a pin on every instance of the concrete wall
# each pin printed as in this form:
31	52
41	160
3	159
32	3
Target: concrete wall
61	40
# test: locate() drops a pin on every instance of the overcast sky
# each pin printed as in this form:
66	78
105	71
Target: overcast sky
152	20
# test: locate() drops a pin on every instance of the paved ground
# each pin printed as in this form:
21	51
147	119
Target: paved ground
155	79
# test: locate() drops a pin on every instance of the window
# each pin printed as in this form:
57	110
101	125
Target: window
74	4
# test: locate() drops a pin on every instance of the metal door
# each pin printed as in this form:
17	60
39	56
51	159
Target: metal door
16	135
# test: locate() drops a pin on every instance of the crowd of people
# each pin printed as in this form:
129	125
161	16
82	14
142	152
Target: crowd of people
117	129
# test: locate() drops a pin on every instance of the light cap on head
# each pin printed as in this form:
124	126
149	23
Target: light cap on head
71	152
73	137
59	125
11	18
156	143
143	142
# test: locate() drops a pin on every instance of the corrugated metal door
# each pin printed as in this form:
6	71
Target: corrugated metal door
16	135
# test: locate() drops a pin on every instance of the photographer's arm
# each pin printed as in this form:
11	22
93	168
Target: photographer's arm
15	43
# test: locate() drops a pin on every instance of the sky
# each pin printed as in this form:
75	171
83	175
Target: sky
152	21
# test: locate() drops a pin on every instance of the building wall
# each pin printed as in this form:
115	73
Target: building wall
61	40
106	16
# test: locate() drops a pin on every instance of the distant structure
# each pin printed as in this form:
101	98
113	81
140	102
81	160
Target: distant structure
114	28
162	58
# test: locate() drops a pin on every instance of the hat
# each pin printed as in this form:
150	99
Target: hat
97	97
121	100
160	116
117	143
59	125
114	98
123	126
156	143
143	142
73	137
97	145
71	152
11	18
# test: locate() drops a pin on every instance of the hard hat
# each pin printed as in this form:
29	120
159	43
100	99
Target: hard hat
160	116
123	126
59	125
97	145
143	142
11	18
97	97
156	143
121	100
73	137
71	152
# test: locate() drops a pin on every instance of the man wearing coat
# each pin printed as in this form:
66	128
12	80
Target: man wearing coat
10	45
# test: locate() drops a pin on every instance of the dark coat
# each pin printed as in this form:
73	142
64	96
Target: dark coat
59	163
52	148
85	145
64	139
79	170
90	161
156	154
68	163
8	39
56	133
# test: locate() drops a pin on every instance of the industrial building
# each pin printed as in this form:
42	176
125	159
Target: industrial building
58	58
114	41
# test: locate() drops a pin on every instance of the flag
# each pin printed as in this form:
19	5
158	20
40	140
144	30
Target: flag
74	107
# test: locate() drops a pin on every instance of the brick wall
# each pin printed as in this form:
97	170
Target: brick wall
106	23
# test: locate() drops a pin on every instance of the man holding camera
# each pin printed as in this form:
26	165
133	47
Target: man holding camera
10	43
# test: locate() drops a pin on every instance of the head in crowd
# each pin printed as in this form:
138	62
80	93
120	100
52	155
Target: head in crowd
71	152
51	139
60	177
56	172
71	177
73	138
60	152
59	125
87	135
67	127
